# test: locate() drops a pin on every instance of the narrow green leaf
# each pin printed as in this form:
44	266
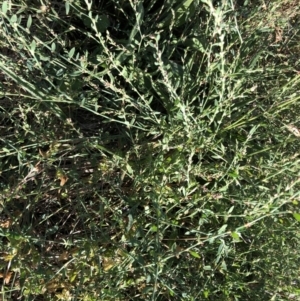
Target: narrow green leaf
297	216
29	22
195	254
13	19
224	265
129	169
182	8
182	11
230	210
60	72
198	45
44	58
222	229
71	52
53	47
33	46
67	6
130	222
140	13
4	7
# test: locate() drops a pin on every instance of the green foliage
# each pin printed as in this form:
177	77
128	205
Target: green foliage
149	150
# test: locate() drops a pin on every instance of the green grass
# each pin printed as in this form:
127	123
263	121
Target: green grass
149	150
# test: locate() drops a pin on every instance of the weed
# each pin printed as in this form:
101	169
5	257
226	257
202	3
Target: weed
149	150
